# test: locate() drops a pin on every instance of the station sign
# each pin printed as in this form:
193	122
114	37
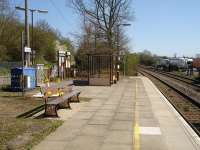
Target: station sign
27	49
68	53
61	53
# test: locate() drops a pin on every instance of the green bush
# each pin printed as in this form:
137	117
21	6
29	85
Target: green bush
4	71
131	62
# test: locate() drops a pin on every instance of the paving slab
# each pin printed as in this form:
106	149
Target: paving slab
119	137
91	130
175	132
84	143
105	113
100	121
116	147
123	116
152	142
122	125
51	145
130	115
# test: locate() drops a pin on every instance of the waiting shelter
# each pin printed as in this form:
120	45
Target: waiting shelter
97	70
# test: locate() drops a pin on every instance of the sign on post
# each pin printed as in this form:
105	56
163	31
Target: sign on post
27	49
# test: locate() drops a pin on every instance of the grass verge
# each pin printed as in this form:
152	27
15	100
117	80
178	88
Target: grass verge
23	134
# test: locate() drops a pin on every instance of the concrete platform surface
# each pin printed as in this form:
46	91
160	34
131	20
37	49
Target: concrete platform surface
130	115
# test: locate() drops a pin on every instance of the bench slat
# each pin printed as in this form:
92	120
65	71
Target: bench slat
64	97
60	102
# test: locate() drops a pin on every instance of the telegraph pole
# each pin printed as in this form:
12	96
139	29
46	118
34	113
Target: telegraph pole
22	55
118	48
32	21
27	55
27	39
32	11
26	36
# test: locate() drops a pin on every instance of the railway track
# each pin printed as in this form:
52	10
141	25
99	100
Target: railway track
194	83
182	102
186	80
183	85
188	89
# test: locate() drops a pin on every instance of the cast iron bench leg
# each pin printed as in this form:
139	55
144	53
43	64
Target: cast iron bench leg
65	104
51	110
75	99
78	100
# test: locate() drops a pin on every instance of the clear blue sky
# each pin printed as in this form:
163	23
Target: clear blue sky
164	27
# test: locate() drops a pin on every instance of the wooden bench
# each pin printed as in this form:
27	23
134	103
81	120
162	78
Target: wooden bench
55	91
63	101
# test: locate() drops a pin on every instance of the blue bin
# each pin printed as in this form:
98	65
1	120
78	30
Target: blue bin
29	78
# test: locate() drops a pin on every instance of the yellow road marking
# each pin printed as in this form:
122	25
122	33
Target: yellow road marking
136	128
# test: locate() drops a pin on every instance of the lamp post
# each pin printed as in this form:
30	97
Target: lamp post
118	48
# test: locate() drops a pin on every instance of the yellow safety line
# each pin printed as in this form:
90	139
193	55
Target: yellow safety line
136	128
136	137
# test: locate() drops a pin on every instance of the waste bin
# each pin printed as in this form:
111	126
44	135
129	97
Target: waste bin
27	82
20	76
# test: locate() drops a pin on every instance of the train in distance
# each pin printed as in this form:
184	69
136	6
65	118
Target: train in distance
176	63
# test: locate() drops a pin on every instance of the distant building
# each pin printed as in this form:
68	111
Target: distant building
197	55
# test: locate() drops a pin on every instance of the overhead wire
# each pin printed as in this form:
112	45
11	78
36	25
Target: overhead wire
62	16
59	12
13	5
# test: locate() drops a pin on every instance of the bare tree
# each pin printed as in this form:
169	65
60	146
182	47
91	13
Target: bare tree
5	14
105	15
9	24
4	7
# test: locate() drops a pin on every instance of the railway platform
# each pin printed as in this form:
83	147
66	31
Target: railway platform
130	115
